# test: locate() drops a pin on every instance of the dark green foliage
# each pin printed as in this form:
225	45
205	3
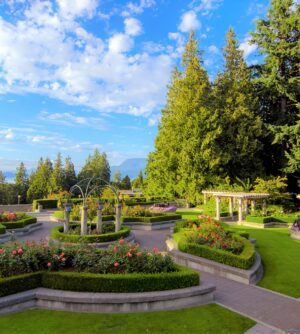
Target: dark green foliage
244	260
86	282
156	218
125	183
21	181
57	234
2	229
46	203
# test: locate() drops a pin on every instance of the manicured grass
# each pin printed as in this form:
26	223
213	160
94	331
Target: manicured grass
205	319
189	213
280	255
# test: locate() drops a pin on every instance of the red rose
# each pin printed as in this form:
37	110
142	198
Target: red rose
49	264
14	252
20	251
129	254
121	241
116	264
139	253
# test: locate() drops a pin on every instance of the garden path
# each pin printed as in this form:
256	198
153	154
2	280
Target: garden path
277	311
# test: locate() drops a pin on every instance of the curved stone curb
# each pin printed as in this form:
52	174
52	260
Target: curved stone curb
107	302
295	236
250	276
100	245
25	230
152	226
5	237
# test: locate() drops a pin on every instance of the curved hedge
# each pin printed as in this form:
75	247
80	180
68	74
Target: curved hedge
2	229
57	234
153	219
244	260
86	282
27	220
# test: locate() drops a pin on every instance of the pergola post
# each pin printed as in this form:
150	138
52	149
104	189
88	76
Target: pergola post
240	211
231	207
246	207
253	206
205	198
218	211
84	220
264	207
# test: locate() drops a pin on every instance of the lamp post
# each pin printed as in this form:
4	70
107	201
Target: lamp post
19	199
68	209
99	217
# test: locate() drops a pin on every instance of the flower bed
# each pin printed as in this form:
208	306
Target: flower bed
212	242
11	220
122	268
58	234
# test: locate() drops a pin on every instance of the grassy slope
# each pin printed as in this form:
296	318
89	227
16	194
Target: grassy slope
281	259
189	213
204	319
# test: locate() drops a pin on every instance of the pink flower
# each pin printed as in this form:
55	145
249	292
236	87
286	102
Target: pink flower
115	249
2	250
155	250
14	252
20	251
62	254
121	241
49	264
63	259
139	253
129	254
116	264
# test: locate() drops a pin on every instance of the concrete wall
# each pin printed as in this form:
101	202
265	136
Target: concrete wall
16	208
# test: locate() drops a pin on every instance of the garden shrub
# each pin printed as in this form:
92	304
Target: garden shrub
46	203
2	229
277	218
155	218
57	234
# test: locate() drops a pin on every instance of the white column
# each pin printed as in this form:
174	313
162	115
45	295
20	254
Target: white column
246	207
204	198
240	211
99	221
264	207
231	207
218	211
66	221
118	217
84	220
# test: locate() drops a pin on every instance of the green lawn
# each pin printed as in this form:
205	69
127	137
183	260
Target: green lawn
281	259
189	213
205	319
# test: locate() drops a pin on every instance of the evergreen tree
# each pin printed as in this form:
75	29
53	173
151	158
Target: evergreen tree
21	181
39	181
96	166
240	141
139	181
126	183
57	176
277	37
117	179
185	159
70	178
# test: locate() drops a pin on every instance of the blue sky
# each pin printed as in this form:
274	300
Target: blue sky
80	74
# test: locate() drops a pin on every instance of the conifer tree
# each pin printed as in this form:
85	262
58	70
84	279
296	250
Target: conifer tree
240	141
21	181
57	177
70	178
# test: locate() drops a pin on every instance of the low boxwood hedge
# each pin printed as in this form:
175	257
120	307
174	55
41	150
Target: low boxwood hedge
86	282
2	229
57	234
244	260
276	218
27	220
154	219
46	203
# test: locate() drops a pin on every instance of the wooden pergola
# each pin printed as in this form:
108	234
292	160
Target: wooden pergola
242	198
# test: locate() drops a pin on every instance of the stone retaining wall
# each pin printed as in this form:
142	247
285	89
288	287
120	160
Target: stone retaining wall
250	276
16	208
107	302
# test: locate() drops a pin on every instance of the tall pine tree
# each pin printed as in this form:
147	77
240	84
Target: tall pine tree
57	177
240	141
70	178
21	181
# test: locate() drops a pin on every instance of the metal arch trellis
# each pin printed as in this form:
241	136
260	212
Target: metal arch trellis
87	191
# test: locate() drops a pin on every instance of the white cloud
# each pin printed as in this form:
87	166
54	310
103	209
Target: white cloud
247	48
77	8
189	22
44	53
205	7
133	27
7	134
138	8
213	49
120	43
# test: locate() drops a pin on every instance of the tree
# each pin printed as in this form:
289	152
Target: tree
70	178
117	179
96	166
56	182
139	181
125	183
185	159
240	141
39	181
277	38
21	181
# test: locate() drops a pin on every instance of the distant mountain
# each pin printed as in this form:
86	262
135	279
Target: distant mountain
130	167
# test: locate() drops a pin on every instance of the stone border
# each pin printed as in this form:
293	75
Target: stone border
250	276
98	245
19	231
71	301
266	225
5	237
152	226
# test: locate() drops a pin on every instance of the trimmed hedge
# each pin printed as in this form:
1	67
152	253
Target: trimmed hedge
28	220
276	218
57	234
154	219
87	282
46	203
2	229
244	260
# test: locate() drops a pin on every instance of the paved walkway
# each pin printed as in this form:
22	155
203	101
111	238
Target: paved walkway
277	311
